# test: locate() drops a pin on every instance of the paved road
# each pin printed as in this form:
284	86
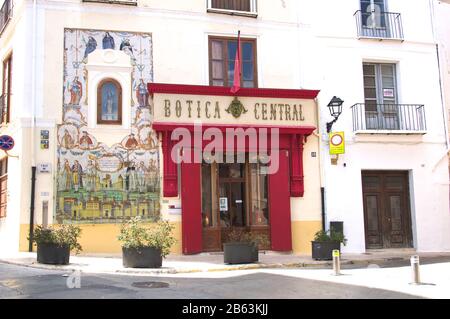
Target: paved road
23	282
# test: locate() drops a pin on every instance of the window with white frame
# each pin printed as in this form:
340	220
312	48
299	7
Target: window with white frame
239	7
380	95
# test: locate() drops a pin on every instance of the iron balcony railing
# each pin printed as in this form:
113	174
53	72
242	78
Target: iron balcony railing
5	14
389	117
379	25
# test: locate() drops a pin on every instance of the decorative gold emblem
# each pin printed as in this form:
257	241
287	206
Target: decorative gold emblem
236	108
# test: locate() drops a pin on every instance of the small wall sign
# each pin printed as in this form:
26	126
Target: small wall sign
45	136
44	167
337	143
388	92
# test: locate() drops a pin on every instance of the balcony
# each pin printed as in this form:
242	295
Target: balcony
379	25
234	7
5	14
125	2
389	118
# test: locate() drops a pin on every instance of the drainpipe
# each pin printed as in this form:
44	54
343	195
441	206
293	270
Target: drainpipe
33	185
318	134
33	126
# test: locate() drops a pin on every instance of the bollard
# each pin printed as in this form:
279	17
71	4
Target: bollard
415	269
336	263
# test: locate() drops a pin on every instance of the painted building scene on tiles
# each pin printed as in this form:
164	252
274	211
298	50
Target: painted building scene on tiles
98	181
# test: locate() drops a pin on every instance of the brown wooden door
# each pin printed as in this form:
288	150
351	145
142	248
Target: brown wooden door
210	216
224	204
387	216
234	197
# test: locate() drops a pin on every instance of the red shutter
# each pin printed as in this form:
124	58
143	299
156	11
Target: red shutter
280	206
170	181
297	183
191	206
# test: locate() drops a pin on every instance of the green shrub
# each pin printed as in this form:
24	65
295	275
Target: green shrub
134	234
61	235
324	236
240	236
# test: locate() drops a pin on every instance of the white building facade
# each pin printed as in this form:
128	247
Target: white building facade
99	163
390	188
442	33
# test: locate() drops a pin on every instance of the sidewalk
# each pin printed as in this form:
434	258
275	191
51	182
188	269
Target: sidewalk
213	262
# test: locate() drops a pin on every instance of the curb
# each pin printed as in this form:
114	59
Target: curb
160	271
136	271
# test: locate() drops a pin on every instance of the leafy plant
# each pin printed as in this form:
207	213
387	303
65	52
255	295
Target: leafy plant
240	236
134	234
60	235
325	236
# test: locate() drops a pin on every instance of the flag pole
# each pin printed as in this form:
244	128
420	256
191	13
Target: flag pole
237	66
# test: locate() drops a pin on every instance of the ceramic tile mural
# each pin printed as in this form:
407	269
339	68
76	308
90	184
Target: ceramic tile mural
100	182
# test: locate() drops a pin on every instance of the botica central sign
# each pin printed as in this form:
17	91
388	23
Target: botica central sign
232	110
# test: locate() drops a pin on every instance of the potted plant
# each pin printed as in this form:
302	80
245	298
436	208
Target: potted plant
324	244
54	243
242	247
144	246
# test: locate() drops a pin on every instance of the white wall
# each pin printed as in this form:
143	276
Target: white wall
13	41
442	14
338	58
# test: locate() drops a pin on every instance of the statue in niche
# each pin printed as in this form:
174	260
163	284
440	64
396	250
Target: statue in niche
109	95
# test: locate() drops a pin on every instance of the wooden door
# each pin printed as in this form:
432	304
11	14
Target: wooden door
232	198
235	197
387	216
210	217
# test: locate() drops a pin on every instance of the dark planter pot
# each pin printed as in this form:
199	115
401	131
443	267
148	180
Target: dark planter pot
240	253
324	250
53	254
145	257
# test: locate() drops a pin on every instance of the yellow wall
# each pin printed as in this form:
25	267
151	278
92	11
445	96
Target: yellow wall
98	238
302	235
101	238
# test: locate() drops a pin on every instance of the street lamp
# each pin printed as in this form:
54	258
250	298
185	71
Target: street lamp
335	107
